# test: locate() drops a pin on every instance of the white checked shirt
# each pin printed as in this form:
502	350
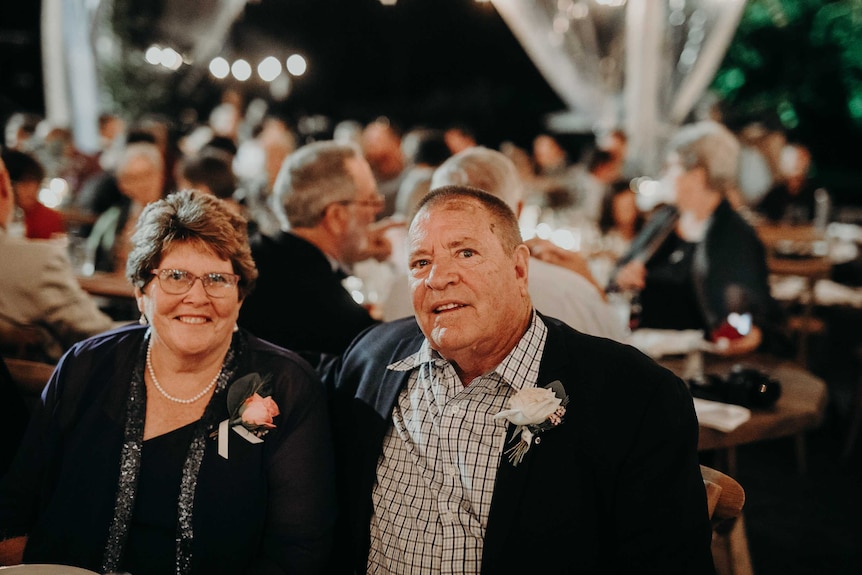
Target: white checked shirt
436	474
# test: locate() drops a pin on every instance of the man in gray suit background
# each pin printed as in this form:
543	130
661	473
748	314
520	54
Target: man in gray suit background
38	290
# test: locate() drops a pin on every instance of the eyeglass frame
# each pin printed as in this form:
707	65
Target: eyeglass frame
157	273
378	202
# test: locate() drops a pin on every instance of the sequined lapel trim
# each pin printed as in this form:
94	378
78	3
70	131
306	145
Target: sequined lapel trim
130	462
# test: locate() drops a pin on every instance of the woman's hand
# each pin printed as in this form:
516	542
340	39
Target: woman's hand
379	245
632	276
746	344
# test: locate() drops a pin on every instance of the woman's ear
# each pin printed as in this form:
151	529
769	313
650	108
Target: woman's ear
139	298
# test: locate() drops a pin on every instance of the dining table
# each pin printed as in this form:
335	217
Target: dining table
800	407
112	293
106	284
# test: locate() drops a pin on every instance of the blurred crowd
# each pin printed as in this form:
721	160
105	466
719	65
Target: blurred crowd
580	196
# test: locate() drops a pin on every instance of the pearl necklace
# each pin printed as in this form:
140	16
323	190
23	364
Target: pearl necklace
202	393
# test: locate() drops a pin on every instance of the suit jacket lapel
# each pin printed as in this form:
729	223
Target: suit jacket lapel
510	487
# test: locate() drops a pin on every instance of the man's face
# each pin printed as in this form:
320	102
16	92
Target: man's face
141	181
362	211
469	296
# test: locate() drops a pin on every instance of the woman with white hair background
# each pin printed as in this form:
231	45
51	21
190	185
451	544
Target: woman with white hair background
697	264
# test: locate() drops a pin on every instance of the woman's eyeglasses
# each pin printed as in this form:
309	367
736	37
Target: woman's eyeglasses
178	282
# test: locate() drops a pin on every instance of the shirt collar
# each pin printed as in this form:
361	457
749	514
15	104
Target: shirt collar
527	353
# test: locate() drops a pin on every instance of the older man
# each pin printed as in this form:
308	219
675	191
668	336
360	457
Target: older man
555	290
326	196
593	468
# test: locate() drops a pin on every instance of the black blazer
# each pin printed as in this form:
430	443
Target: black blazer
299	302
616	488
729	266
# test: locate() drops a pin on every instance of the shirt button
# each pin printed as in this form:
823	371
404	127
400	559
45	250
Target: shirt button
538	440
453	471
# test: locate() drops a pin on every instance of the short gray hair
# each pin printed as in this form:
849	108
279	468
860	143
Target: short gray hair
147	150
485	169
504	221
311	178
711	146
196	217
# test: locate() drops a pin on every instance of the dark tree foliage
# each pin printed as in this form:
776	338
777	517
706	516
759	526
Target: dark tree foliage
796	65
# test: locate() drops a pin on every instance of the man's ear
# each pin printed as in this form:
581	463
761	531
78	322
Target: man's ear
521	259
335	218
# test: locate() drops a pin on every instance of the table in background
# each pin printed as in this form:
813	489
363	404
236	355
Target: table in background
113	294
801	406
798	251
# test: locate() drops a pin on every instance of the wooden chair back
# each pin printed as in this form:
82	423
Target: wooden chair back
725	496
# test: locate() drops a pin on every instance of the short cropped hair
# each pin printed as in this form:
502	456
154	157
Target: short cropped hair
504	223
711	146
195	217
311	178
23	166
212	168
485	169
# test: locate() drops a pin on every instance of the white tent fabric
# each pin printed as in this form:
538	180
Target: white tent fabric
71	89
641	65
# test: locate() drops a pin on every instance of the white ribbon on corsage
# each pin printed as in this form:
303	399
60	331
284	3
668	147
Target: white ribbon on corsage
223	428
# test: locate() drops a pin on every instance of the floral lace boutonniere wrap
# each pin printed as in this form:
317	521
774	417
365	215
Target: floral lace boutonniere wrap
251	410
533	410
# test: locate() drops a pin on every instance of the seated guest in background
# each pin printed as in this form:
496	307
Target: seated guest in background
424	149
554	290
621	220
131	464
210	170
38	290
327	199
256	166
27	175
437	473
698	262
460	136
20	129
791	198
140	174
593	180
381	146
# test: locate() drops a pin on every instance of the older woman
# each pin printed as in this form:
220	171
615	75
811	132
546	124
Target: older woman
183	445
697	263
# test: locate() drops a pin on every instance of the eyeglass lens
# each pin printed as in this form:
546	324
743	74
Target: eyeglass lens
176	282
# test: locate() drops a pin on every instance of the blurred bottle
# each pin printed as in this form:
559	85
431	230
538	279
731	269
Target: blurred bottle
822	209
17	228
635	309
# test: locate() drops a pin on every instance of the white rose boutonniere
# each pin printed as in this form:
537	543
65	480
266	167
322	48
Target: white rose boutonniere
251	411
533	410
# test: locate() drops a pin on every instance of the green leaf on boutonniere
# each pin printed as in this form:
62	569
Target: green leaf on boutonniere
242	389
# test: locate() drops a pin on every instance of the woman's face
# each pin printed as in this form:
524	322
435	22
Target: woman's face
685	183
625	209
193	324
